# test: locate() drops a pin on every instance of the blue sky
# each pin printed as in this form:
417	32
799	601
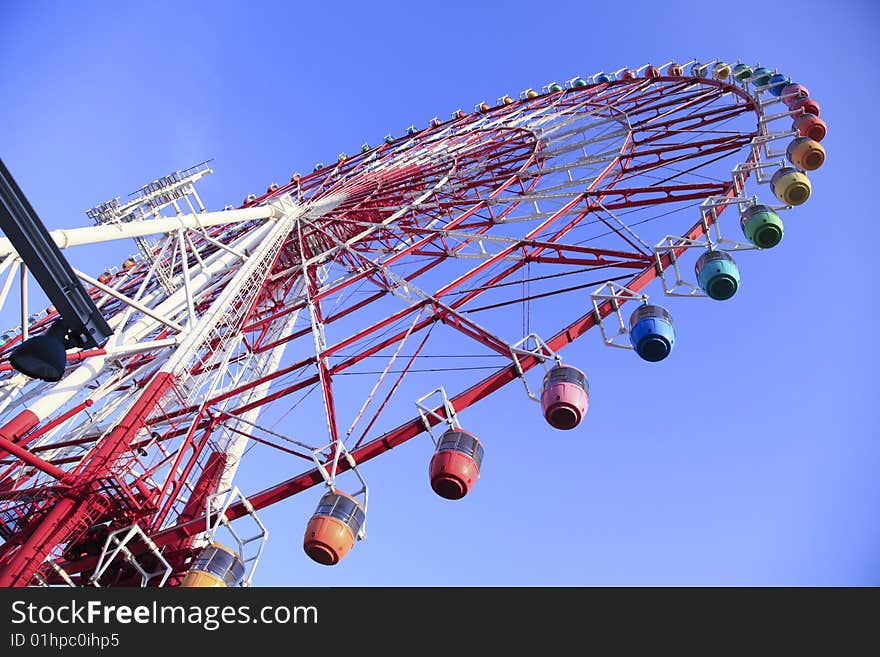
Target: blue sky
749	457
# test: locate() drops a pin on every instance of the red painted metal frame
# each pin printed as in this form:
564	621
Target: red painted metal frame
94	488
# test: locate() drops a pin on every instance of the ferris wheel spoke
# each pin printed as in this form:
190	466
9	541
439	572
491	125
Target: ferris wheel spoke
390	281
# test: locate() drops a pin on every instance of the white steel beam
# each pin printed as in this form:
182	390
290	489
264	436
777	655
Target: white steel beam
68	237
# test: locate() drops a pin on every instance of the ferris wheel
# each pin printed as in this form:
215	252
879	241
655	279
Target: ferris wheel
437	266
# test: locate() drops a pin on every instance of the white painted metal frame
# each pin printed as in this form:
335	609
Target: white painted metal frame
615	294
450	419
215	517
114	546
541	351
338	450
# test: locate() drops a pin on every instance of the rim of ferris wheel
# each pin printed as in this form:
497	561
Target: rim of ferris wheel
114	546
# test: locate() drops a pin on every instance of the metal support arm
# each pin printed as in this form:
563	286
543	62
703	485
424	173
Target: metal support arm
42	256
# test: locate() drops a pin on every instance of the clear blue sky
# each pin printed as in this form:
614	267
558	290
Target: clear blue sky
749	457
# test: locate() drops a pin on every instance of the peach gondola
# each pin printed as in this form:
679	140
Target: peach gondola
332	529
805	153
216	566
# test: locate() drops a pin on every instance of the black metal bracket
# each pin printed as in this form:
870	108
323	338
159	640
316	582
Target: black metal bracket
85	325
